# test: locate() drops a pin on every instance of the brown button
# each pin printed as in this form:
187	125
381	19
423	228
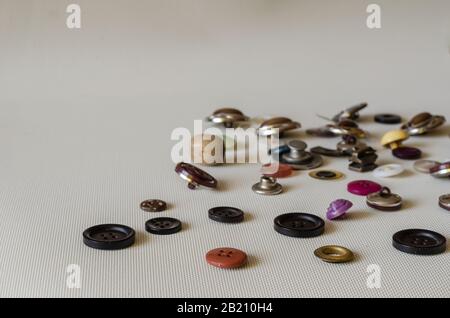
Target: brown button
226	257
153	205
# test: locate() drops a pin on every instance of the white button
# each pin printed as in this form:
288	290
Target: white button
389	170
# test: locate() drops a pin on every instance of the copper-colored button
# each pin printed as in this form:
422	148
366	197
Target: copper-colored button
276	170
226	257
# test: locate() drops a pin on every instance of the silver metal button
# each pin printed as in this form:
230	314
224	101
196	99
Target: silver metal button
351	113
267	186
384	200
300	159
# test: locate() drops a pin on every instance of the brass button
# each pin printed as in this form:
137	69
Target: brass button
384	200
227	116
277	126
334	254
423	123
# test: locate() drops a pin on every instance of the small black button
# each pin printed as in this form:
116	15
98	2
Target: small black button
109	237
419	242
388	119
226	214
163	226
299	225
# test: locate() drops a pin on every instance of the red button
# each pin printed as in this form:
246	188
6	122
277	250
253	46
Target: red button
226	257
270	170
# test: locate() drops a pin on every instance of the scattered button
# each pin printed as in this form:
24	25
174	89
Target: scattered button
109	237
326	174
267	186
363	187
419	242
384	200
424	166
351	113
277	126
299	225
334	254
226	214
393	139
195	176
226	257
444	201
388	119
363	159
407	153
338	209
163	226
423	123
276	170
441	170
227	116
153	205
389	170
300	159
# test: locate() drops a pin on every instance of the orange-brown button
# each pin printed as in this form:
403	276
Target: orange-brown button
271	170
226	257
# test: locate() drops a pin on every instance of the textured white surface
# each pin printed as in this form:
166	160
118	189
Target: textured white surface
85	124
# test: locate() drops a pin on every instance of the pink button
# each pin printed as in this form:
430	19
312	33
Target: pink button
363	187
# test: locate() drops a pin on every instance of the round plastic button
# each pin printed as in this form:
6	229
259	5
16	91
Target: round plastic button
424	166
384	200
444	201
419	242
388	119
338	209
334	254
163	226
109	237
299	225
226	214
363	187
226	257
388	170
276	170
407	153
326	174
153	206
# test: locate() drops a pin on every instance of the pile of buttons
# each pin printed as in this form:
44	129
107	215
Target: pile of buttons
293	155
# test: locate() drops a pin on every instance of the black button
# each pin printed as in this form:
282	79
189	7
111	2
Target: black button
325	174
226	214
420	242
109	237
388	119
299	225
163	226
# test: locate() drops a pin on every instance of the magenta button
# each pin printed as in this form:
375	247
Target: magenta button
363	187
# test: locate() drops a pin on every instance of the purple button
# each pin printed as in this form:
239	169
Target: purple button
338	208
363	187
407	153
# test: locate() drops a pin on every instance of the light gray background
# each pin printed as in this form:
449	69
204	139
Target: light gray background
85	123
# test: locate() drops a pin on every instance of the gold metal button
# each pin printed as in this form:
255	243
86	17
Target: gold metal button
334	254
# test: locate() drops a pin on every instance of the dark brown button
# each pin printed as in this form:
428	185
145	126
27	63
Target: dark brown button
226	257
153	205
195	176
